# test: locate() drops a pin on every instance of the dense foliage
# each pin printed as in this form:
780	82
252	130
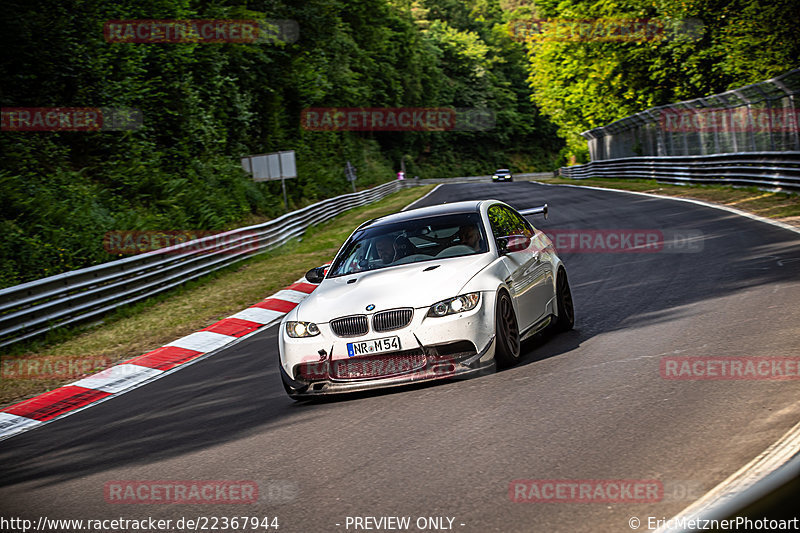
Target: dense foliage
707	46
206	105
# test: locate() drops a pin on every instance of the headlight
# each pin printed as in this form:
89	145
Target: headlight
459	304
301	329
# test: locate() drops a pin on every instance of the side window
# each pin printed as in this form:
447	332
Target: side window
501	221
531	229
522	226
505	222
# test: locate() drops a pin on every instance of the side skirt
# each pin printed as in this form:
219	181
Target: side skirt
536	328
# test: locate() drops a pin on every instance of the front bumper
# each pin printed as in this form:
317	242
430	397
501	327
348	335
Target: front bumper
431	348
436	367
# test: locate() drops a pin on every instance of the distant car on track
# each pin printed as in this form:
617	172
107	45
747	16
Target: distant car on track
502	174
430	293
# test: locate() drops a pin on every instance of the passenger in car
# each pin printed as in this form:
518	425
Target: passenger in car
403	247
470	236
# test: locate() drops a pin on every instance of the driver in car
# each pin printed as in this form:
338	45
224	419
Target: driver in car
393	249
385	248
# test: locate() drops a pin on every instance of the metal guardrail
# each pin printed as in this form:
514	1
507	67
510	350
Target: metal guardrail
765	170
760	117
33	308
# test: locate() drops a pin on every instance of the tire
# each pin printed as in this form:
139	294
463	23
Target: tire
290	391
507	348
566	310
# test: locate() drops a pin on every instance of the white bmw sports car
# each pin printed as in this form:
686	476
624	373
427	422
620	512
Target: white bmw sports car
430	293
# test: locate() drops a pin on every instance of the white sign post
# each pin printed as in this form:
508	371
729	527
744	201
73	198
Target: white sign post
269	167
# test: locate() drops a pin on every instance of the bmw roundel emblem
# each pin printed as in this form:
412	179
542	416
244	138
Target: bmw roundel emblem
370	307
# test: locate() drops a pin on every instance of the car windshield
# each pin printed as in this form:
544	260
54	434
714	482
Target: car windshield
412	241
502	171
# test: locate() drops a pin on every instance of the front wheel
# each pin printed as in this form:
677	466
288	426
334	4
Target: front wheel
290	390
566	311
506	332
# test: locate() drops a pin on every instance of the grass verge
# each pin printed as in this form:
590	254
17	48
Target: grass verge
778	205
145	326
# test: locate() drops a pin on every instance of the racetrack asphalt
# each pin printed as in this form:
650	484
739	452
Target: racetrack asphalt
586	404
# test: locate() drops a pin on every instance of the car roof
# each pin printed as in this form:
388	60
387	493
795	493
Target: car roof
470	206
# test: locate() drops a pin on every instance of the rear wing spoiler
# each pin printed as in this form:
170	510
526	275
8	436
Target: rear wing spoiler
541	210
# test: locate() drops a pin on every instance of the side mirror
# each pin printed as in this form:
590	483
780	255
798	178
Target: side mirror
316	275
513	243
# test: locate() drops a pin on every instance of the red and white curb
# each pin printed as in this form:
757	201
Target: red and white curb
135	372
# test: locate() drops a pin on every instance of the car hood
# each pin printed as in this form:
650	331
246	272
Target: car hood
399	286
